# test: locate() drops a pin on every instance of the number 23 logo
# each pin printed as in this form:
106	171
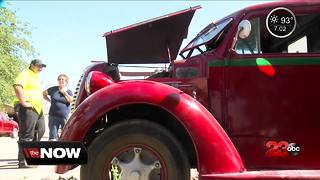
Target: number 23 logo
277	149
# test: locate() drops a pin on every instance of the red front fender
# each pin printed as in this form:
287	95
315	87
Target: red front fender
215	151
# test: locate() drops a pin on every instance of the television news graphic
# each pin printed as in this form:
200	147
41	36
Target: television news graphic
281	22
282	149
54	152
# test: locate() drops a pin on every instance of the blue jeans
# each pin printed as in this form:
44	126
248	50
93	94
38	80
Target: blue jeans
54	124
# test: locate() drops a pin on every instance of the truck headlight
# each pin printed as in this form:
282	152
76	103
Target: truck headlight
96	80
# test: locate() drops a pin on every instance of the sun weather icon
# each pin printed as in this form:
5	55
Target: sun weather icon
274	19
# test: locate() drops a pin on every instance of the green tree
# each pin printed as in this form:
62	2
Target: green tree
14	46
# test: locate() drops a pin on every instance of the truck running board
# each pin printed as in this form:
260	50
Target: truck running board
266	175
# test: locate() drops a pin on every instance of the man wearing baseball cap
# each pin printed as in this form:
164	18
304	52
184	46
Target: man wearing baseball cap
37	62
29	105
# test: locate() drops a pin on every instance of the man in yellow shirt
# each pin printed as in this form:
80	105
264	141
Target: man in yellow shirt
29	105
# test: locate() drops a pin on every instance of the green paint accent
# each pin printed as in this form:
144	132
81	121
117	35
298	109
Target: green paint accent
217	63
266	62
262	62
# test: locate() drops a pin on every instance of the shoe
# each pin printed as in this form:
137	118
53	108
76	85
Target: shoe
24	165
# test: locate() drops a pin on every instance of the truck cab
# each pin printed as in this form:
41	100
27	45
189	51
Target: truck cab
241	102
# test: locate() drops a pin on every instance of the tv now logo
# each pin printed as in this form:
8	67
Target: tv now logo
53	152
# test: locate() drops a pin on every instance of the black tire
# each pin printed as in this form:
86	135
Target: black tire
149	137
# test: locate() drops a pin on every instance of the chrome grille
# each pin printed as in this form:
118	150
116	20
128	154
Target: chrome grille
76	94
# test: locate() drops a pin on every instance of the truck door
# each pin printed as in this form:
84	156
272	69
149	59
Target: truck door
273	93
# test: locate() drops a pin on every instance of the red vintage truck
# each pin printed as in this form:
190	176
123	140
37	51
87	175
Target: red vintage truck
242	103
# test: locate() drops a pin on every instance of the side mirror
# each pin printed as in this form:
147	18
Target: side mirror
244	29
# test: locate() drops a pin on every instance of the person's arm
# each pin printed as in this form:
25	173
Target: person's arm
45	95
68	97
18	89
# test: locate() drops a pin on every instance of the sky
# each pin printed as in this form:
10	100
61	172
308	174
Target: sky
68	35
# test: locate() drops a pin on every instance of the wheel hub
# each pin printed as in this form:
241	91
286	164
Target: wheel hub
139	165
134	175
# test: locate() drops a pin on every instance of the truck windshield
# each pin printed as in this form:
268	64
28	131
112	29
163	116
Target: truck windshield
207	35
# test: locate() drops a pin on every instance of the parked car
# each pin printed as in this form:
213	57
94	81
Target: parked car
8	126
242	103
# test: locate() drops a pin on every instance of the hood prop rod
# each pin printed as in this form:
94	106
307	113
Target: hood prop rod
169	54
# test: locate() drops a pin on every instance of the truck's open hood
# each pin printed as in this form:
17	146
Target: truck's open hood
149	41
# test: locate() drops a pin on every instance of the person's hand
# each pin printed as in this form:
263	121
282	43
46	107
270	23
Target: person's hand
26	105
63	90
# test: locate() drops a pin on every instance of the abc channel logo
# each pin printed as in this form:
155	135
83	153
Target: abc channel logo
293	149
54	152
281	149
